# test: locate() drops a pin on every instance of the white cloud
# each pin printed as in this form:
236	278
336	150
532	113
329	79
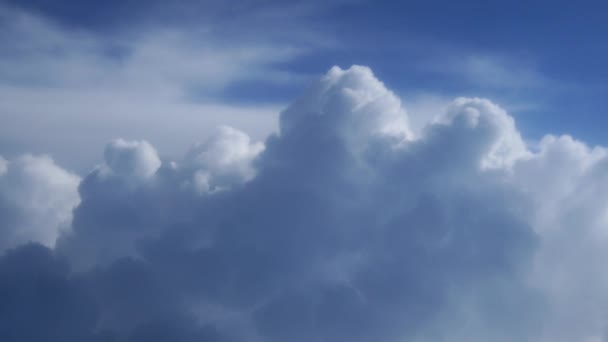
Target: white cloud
353	103
132	159
423	108
312	204
112	221
507	146
499	72
567	182
346	226
223	160
163	84
36	200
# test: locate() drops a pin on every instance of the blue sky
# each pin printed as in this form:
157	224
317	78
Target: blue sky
303	171
542	61
560	42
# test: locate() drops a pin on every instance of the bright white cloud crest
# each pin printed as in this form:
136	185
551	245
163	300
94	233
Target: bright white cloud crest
359	105
344	226
507	146
36	200
223	160
132	159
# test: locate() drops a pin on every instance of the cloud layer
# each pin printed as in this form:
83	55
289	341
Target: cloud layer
344	226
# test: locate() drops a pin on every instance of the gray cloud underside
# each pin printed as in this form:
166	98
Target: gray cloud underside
347	225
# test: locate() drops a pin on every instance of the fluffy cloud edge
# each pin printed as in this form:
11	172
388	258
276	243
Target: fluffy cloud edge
468	169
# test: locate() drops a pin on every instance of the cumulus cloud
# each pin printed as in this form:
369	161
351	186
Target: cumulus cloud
36	200
567	182
112	218
352	102
223	159
343	226
132	159
506	145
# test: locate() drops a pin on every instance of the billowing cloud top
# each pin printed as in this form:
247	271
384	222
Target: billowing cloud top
224	159
343	226
132	159
352	102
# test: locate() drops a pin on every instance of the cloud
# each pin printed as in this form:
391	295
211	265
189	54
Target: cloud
3	166
354	103
123	16
507	145
164	84
567	181
40	300
132	159
223	160
111	220
36	200
345	225
493	71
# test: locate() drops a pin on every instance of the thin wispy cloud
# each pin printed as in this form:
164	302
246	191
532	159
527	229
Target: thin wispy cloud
155	84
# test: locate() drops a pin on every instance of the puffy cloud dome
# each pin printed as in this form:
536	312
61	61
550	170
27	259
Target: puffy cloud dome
36	200
132	159
223	159
353	103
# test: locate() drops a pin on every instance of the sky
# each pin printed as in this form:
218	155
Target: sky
171	72
315	171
